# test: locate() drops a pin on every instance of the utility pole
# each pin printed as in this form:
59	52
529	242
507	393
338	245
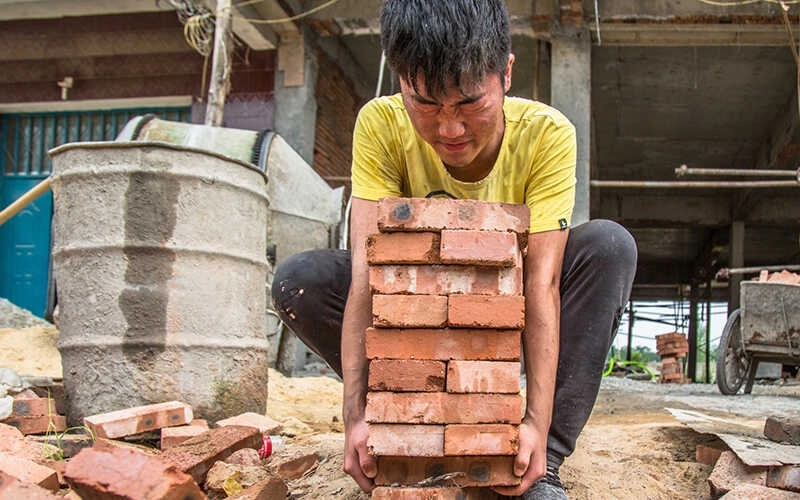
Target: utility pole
220	65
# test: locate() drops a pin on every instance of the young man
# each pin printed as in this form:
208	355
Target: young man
452	132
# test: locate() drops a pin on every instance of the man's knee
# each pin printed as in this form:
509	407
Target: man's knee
313	272
607	241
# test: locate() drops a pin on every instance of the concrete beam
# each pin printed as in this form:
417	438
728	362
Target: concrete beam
699	34
52	9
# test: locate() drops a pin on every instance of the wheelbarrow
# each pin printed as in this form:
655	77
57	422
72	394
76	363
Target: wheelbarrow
766	327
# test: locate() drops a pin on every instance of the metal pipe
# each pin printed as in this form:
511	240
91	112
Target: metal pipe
684	170
693	184
725	272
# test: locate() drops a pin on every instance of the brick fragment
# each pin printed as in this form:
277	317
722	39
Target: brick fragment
291	467
196	455
130	421
243	475
171	436
403	248
267	489
432	493
409	311
245	456
66	445
14	443
468	471
481	248
752	491
445	280
481	439
730	471
437	214
500	377
263	423
782	430
443	344
29	471
103	444
406	440
486	311
37	424
12	488
706	455
127	473
26	406
786	477
442	408
404	375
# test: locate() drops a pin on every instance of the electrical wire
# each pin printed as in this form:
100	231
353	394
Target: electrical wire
735	3
284	19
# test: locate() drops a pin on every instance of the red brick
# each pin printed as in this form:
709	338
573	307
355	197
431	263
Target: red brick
406	440
33	406
409	311
442	407
139	419
785	478
270	488
403	375
37	425
483	376
127	473
403	248
730	471
14	443
437	214
782	430
443	344
706	455
752	491
432	493
12	488
108	445
474	471
196	455
480	248
481	439
29	471
263	423
171	436
445	280
486	311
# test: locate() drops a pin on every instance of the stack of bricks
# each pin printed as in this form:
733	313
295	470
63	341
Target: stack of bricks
444	399
32	414
672	347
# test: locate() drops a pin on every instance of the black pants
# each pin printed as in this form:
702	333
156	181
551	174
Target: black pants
309	291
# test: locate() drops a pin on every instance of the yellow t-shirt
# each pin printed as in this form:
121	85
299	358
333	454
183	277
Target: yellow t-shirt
536	164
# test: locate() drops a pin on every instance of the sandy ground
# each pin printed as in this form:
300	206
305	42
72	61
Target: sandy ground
631	447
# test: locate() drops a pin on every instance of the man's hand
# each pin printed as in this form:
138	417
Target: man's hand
358	463
531	461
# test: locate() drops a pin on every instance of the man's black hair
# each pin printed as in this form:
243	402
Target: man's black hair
445	41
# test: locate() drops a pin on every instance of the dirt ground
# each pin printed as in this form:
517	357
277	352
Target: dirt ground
631	448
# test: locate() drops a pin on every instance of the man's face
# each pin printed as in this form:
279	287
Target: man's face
465	125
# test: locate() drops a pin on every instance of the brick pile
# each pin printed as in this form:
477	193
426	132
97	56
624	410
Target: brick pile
443	397
672	347
32	414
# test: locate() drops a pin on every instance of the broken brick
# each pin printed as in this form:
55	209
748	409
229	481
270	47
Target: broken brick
243	475
751	491
170	436
404	375
127	473
486	311
403	248
294	466
14	443
139	419
12	488
26	406
196	455
29	471
481	439
263	423
267	489
730	471
467	471
483	376
406	440
37	424
706	455
483	248
782	430
445	280
409	311
441	407
443	344
786	477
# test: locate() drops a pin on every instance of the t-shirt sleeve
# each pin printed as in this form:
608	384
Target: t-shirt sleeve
376	169
550	190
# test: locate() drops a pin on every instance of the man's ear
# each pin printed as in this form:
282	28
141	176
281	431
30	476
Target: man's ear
507	75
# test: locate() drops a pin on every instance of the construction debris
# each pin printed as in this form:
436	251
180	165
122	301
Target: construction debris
672	347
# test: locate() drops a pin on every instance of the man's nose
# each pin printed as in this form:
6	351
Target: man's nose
451	126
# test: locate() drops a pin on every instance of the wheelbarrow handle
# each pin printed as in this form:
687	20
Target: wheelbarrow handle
24	200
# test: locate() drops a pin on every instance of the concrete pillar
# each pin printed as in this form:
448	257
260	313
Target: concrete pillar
295	94
571	92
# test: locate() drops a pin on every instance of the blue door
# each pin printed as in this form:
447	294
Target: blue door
25	238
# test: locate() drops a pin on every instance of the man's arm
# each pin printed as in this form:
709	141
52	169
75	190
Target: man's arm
357	317
540	344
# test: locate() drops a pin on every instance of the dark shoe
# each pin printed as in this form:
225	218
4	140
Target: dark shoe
547	488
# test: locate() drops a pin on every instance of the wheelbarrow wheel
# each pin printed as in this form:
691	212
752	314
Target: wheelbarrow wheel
733	362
